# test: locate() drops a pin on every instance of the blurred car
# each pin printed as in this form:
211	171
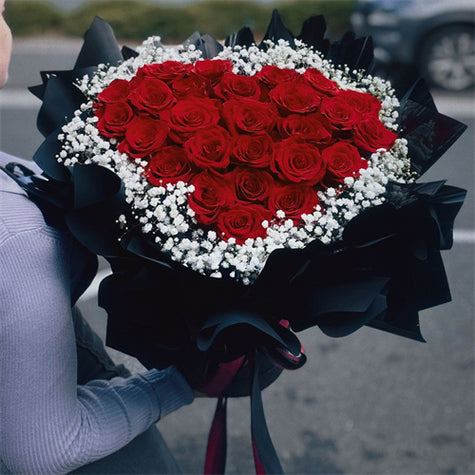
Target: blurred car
434	36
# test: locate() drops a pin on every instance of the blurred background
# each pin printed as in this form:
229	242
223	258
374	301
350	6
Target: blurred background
173	20
432	38
371	402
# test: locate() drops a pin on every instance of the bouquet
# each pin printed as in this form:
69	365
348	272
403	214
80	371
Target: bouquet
245	192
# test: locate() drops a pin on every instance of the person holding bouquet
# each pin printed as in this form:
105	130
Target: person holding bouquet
64	405
231	175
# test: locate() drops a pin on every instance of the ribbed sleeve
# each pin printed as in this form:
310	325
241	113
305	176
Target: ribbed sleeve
48	424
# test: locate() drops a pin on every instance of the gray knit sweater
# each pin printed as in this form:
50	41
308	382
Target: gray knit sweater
48	424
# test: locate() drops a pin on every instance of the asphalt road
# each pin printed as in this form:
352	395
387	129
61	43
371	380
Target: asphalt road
370	403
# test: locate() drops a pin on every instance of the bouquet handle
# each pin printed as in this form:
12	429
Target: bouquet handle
265	456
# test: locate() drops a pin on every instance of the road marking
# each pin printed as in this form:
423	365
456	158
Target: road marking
464	236
459	106
18	99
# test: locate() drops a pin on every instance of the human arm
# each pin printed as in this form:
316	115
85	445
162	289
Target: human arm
48	423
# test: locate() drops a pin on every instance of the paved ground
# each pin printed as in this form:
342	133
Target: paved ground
370	403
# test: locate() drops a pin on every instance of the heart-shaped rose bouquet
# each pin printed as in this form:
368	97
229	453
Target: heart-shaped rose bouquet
225	160
243	193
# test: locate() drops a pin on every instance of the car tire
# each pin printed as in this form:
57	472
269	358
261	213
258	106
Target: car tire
447	59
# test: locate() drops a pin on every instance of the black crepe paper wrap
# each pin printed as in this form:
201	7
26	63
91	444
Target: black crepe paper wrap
384	270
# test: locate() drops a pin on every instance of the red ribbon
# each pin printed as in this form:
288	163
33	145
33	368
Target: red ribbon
265	457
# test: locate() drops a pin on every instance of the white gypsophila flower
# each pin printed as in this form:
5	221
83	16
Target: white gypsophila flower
163	211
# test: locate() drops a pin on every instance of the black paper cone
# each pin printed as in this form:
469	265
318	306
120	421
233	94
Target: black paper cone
277	31
99	47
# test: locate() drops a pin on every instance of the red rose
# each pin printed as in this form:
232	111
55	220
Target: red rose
167	71
117	91
114	117
298	162
190	115
272	75
361	102
249	116
253	150
371	134
212	69
311	127
151	95
209	148
250	184
212	193
342	160
295	98
338	112
235	86
192	85
242	221
168	165
144	136
320	82
293	200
